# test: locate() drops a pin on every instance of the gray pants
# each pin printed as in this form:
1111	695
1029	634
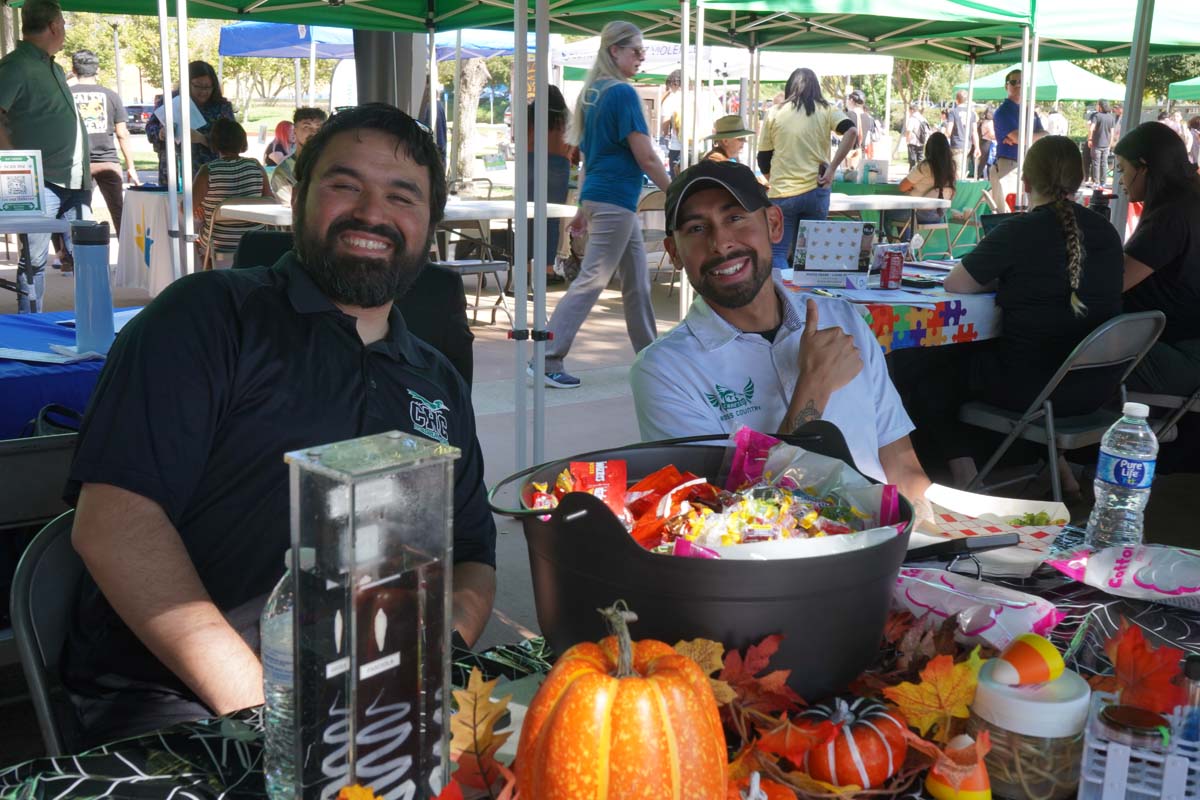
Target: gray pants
1169	368
614	242
1100	165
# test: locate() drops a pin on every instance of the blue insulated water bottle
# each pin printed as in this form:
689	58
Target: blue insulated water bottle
93	295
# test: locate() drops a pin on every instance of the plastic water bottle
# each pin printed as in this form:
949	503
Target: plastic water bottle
1123	477
275	633
93	295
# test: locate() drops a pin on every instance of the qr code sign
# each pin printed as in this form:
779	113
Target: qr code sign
17	185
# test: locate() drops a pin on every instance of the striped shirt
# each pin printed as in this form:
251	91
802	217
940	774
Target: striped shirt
229	177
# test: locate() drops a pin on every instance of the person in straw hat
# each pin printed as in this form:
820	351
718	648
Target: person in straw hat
728	139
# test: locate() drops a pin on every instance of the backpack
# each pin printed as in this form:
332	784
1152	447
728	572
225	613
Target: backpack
923	132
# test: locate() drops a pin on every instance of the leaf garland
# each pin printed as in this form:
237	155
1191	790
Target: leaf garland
944	694
474	740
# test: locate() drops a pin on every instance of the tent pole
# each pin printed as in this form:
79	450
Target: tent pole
312	67
696	132
966	151
1134	87
299	85
455	142
1024	110
520	127
185	125
173	238
541	145
433	101
685	117
1031	102
887	116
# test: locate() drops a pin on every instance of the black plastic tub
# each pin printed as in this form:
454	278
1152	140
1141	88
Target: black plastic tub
830	609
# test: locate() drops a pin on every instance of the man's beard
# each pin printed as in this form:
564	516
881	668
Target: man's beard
733	296
358	281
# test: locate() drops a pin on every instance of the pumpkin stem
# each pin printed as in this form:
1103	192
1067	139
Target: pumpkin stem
618	616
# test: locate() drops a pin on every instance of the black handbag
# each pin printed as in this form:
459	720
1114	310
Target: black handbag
52	420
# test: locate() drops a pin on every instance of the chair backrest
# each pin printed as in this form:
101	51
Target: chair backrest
654	201
43	596
262	248
219	217
35	470
1119	342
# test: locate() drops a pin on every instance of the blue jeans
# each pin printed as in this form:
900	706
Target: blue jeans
31	274
813	204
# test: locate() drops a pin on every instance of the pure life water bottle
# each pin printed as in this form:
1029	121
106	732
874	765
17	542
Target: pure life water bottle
1123	477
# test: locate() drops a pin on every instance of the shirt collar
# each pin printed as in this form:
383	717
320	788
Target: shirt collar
713	331
31	49
307	298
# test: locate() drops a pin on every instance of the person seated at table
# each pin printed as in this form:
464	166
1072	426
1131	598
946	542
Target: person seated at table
728	138
281	146
1162	257
228	176
179	485
305	122
933	177
1056	272
751	352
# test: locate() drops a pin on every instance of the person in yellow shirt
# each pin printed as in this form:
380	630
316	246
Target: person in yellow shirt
793	152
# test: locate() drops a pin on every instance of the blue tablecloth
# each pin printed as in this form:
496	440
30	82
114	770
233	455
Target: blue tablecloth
25	388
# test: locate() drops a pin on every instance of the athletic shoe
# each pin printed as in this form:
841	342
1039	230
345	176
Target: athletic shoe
558	380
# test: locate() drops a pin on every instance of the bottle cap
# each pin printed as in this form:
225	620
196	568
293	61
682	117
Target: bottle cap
86	231
308	558
1191	668
1052	710
1139	410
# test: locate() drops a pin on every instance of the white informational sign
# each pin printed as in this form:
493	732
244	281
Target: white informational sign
825	245
197	121
21	183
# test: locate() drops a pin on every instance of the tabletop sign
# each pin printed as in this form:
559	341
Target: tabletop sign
21	183
834	254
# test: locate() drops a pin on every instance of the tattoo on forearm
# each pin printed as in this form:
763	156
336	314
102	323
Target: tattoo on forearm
806	414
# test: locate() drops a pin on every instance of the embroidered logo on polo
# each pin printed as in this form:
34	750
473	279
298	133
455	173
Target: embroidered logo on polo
732	403
428	418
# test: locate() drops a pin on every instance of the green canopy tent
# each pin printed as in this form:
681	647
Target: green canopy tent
1184	90
1056	80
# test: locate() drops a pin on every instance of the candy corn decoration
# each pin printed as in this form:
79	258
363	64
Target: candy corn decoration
974	786
1028	659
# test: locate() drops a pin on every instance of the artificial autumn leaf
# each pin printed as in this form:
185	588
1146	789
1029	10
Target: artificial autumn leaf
707	654
809	785
1145	674
738	790
793	739
748	760
945	691
953	764
452	791
473	737
768	693
509	790
1104	683
356	792
898	623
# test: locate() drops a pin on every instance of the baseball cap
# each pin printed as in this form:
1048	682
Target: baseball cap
737	178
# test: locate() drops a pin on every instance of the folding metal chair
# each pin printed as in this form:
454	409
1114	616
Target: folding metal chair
1177	406
1120	342
650	211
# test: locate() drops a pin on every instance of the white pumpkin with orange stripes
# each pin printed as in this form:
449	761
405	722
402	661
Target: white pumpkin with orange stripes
869	747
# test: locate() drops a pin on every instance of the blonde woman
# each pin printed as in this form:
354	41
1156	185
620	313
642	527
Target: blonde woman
1056	271
609	125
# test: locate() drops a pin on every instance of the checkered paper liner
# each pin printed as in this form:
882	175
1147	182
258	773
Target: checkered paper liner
957	526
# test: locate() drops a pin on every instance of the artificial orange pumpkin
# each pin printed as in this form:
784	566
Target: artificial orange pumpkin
869	747
622	720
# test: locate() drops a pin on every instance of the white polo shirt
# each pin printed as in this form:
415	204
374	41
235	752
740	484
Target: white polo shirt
706	376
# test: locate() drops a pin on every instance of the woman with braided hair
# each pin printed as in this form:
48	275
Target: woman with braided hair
1056	271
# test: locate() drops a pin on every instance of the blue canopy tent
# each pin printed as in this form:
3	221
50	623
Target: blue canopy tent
280	40
478	43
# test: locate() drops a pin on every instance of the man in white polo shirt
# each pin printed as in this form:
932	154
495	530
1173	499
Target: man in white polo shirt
751	352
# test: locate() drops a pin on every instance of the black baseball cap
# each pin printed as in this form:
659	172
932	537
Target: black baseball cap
737	178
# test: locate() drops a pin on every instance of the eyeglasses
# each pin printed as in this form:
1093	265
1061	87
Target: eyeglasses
640	52
1013	83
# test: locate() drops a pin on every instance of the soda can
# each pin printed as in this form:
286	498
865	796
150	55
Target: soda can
893	268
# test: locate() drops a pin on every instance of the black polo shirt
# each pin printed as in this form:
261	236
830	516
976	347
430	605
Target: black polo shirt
202	394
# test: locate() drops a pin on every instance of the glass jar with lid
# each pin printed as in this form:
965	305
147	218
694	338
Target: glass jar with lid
1036	733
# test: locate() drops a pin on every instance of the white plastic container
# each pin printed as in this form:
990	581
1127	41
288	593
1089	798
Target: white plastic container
1036	733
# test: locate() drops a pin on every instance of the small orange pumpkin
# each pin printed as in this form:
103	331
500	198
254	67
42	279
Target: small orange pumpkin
622	720
869	747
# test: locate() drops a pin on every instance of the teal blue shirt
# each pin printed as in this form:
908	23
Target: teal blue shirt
611	173
41	115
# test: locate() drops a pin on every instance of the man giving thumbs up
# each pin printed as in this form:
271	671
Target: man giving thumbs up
750	352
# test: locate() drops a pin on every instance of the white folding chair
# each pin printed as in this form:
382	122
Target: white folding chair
218	259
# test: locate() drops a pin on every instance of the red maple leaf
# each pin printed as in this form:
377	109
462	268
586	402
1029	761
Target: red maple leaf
898	623
792	739
1145	674
452	791
767	693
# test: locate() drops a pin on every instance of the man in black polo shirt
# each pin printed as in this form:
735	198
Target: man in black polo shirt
181	492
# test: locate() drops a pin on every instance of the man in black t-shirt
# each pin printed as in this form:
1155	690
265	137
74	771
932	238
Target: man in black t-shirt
1100	140
103	116
179	484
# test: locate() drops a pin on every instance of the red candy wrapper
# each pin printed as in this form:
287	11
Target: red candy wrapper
602	479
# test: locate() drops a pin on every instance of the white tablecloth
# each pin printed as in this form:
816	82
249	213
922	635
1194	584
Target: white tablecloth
144	261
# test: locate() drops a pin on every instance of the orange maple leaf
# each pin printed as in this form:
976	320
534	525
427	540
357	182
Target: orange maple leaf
452	791
746	761
898	623
1145	674
767	693
473	736
953	764
793	739
945	691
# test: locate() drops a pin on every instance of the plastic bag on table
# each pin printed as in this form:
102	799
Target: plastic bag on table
1168	575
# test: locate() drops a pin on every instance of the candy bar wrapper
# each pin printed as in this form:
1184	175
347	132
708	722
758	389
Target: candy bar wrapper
602	479
985	612
542	499
1167	575
751	449
644	495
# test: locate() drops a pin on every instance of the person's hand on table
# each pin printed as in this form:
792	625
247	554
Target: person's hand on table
134	179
